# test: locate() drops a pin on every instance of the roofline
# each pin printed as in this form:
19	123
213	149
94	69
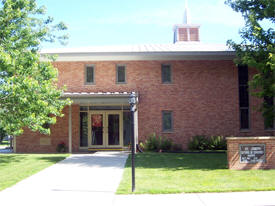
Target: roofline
97	94
127	56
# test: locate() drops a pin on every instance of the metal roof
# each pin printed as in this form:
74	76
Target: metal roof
178	47
177	51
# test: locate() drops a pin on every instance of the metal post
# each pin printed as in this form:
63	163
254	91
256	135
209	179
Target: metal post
133	148
132	102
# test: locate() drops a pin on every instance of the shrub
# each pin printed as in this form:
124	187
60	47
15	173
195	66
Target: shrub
176	147
201	142
217	143
61	147
154	143
198	142
165	144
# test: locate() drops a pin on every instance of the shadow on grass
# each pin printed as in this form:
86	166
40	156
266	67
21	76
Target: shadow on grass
9	158
12	158
52	159
170	161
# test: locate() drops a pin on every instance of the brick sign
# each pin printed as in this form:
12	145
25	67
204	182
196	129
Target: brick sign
252	153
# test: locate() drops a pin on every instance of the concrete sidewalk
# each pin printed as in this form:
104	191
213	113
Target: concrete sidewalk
81	179
200	199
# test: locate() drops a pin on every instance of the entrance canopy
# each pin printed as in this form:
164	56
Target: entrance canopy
99	98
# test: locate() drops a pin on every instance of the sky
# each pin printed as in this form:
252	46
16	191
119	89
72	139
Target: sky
124	22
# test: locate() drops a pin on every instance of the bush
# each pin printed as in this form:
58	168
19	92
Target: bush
176	148
217	143
201	142
61	147
165	144
154	143
198	142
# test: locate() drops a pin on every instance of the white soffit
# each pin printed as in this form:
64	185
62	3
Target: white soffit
99	98
178	51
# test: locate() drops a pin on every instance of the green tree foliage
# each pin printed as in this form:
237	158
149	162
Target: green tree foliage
29	96
2	133
257	48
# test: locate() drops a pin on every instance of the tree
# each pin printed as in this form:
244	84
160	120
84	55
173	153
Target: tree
257	49
2	134
29	95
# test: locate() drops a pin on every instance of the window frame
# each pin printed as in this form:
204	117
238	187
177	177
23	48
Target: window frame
86	72
125	75
171	74
172	121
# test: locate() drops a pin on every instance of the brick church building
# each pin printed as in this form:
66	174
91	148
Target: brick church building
183	89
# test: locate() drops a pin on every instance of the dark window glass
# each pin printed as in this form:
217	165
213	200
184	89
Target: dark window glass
244	118
121	77
243	75
83	129
97	129
83	108
167	121
89	74
269	122
113	129
243	97
166	73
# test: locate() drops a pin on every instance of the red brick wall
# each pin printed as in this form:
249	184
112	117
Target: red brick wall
29	142
234	157
203	98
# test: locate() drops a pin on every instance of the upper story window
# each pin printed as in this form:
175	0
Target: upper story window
120	74
243	97
89	74
166	74
167	121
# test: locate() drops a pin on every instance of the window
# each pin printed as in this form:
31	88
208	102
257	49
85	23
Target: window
167	121
243	97
120	74
83	129
269	122
89	74
166	74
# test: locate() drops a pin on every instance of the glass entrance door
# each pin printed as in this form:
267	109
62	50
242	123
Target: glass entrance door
106	129
97	129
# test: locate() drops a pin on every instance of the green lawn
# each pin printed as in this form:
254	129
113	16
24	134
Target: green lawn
5	143
159	173
16	167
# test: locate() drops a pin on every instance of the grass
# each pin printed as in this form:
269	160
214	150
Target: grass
5	143
161	173
16	167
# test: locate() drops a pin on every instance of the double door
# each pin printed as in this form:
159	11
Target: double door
106	129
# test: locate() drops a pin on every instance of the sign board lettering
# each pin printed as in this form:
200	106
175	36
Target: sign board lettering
252	153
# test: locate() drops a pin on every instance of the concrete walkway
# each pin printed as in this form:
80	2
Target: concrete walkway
4	149
199	199
81	179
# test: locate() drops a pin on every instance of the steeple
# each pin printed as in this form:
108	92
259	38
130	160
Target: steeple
185	14
186	32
